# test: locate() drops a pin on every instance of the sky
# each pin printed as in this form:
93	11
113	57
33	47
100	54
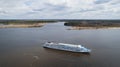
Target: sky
59	9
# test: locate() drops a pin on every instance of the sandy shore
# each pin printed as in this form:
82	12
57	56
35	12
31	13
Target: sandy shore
81	28
22	25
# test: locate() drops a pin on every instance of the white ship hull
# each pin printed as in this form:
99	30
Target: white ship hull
66	47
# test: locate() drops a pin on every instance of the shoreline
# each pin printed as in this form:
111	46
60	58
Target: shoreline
22	25
82	28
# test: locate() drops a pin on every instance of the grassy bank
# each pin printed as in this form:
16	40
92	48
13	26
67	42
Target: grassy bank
23	23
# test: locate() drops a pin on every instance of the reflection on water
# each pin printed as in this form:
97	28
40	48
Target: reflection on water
22	47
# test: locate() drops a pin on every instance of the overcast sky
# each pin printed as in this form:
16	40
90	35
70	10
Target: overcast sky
59	9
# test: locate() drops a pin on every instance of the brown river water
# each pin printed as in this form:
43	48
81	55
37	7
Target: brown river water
22	47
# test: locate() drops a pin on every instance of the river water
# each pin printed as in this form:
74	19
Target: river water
22	47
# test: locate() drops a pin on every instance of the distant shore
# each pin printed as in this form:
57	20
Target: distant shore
81	28
22	25
93	24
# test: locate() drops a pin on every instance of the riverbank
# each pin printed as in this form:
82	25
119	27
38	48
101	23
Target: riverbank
81	28
93	23
22	25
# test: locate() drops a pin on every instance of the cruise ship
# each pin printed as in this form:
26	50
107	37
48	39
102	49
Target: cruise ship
66	47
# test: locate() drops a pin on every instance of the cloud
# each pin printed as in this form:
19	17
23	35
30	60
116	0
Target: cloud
60	9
